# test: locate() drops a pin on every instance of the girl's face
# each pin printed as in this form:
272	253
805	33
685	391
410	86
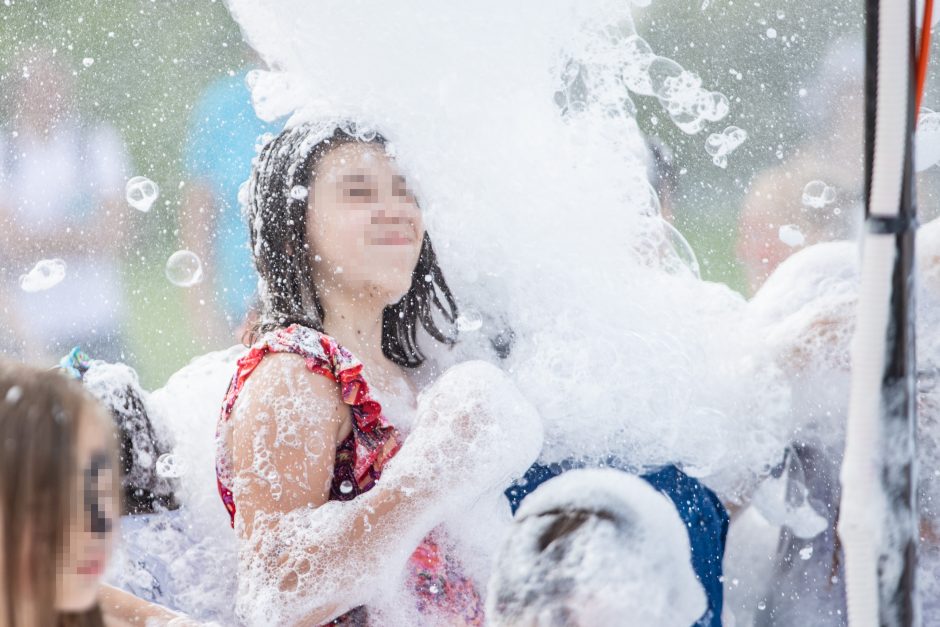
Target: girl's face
93	521
363	223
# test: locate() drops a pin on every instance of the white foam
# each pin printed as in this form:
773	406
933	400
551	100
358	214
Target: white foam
532	129
474	433
629	557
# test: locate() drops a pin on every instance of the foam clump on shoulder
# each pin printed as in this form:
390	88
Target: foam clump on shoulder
592	547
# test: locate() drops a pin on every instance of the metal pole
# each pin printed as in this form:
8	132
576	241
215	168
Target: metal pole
878	521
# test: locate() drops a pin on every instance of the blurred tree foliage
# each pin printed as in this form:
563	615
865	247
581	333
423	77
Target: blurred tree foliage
153	58
760	54
151	61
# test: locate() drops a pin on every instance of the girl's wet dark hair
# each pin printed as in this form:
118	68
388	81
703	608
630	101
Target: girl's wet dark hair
144	491
116	387
277	219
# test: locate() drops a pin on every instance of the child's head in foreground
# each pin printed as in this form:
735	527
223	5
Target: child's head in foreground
59	502
595	547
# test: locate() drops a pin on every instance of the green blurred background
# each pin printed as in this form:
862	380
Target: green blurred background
153	58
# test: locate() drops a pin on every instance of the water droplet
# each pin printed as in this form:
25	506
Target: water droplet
720	145
141	193
13	395
346	486
817	194
712	105
298	192
469	321
45	274
168	467
184	268
434	588
790	235
88	61
428	278
762	606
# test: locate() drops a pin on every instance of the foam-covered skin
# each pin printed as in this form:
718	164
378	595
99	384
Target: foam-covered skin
305	560
629	558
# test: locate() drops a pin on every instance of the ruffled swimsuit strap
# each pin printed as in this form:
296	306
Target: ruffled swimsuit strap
373	440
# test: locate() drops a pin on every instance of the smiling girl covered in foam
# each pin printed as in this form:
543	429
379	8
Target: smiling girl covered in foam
334	509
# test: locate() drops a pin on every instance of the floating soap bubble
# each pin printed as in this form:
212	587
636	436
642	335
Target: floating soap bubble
141	193
791	236
927	140
346	486
636	71
661	70
680	93
44	275
184	268
806	553
298	192
817	194
169	467
88	61
720	145
771	33
712	105
676	254
468	321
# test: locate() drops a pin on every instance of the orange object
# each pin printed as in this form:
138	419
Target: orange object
923	56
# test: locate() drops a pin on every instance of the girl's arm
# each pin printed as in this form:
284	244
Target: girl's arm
304	559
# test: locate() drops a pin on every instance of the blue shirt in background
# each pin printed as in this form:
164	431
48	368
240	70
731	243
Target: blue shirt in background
701	511
222	137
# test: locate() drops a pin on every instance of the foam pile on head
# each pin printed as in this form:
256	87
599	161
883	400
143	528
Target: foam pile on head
514	123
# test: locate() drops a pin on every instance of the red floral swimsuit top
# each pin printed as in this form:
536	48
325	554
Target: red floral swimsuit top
435	576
